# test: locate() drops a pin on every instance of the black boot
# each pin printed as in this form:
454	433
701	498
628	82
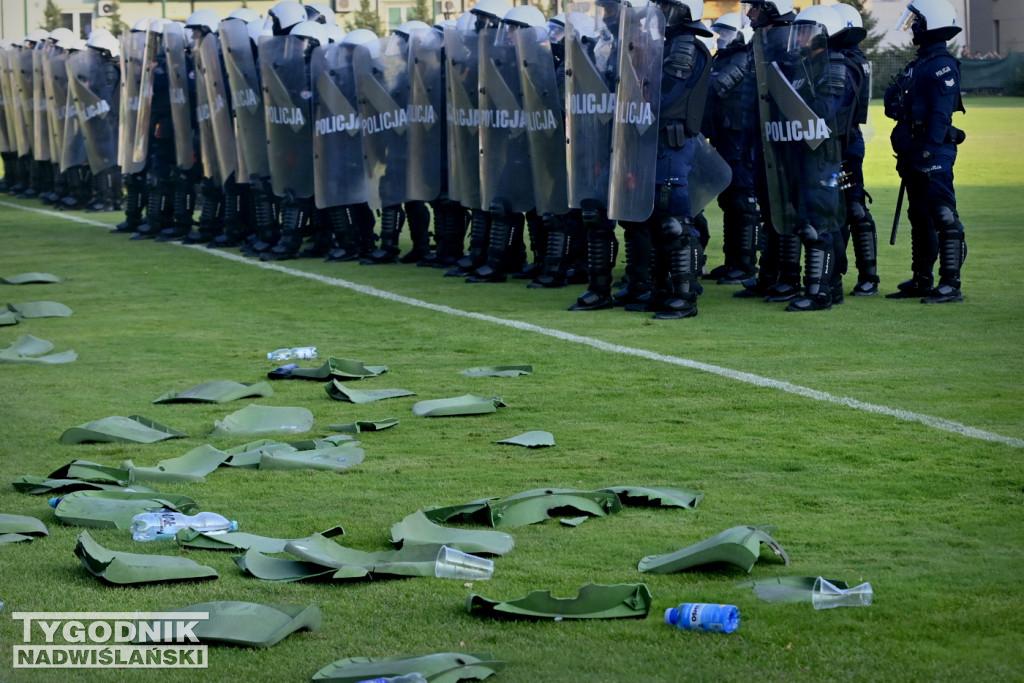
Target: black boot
499	242
478	239
788	286
556	257
134	201
638	288
952	254
418	216
10	163
865	249
159	210
211	218
391	220
600	260
684	256
818	266
108	191
343	234
294	215
537	230
233	231
262	209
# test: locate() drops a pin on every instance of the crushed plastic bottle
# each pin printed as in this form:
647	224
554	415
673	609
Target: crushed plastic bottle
698	616
164	524
300	352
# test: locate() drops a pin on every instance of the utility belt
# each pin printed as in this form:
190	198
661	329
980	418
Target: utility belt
954	135
674	135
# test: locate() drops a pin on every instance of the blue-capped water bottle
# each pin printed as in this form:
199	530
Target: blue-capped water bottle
699	616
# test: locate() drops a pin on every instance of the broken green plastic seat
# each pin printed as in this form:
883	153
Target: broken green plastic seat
193	466
117	429
538	505
29	349
255	419
92	471
339	392
250	624
417	529
9	317
443	667
740	546
238	540
38	486
365	426
336	368
31	279
476	511
657	496
498	371
119	568
40	309
786	588
217	392
594	601
534	439
115	509
19	528
333	458
460	405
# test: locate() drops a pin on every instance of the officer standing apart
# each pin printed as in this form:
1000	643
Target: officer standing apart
922	101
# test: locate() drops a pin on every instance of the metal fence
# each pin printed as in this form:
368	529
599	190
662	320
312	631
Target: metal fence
977	76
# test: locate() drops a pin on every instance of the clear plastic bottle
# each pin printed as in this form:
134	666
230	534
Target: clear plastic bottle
698	616
300	352
164	524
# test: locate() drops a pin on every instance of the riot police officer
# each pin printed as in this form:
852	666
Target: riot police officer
922	101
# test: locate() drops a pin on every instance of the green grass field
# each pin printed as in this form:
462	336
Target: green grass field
931	516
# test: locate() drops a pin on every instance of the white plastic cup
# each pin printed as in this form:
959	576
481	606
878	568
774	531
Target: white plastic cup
826	595
455	564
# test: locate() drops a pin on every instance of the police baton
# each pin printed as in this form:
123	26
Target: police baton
899	208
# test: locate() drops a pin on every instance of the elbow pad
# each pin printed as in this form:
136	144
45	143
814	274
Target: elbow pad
680	59
725	82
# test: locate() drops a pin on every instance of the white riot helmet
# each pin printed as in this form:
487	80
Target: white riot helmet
729	28
556	28
767	11
335	33
490	11
408	27
286	14
853	24
103	40
36	36
930	21
525	16
141	25
685	13
77	45
313	30
360	36
318	11
824	16
59	34
245	14
205	20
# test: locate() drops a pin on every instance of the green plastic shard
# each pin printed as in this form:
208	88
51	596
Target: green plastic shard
38	486
31	279
786	588
498	371
193	466
217	392
337	368
40	309
365	426
248	455
254	419
29	349
19	528
538	505
657	496
117	429
247	623
237	540
350	563
115	509
417	529
9	317
92	471
536	439
594	601
339	392
476	511
332	458
574	521
740	545
279	569
128	568
460	405
443	667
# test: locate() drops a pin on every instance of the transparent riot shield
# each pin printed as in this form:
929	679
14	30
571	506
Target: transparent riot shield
545	127
55	81
246	100
462	53
506	179
339	176
95	91
133	55
72	151
288	100
798	131
208	62
9	140
382	81
591	74
638	98
154	44
709	175
181	86
40	120
426	106
23	88
207	147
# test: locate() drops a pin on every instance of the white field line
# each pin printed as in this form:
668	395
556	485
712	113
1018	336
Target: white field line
749	378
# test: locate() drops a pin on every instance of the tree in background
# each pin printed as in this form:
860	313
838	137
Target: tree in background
117	26
367	17
423	11
51	16
869	44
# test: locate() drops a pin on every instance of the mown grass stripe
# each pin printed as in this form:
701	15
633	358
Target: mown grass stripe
746	377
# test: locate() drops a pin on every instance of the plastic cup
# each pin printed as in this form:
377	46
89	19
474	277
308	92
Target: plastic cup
455	564
827	595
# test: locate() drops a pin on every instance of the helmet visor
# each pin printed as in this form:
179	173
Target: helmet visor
906	22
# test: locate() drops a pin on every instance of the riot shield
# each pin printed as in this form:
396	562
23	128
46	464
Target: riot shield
8	136
40	119
207	147
23	87
208	62
288	101
141	136
462	64
95	92
246	99
133	55
545	128
638	98
382	81
591	73
709	175
801	148
426	138
181	95
73	152
337	130
506	178
55	80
